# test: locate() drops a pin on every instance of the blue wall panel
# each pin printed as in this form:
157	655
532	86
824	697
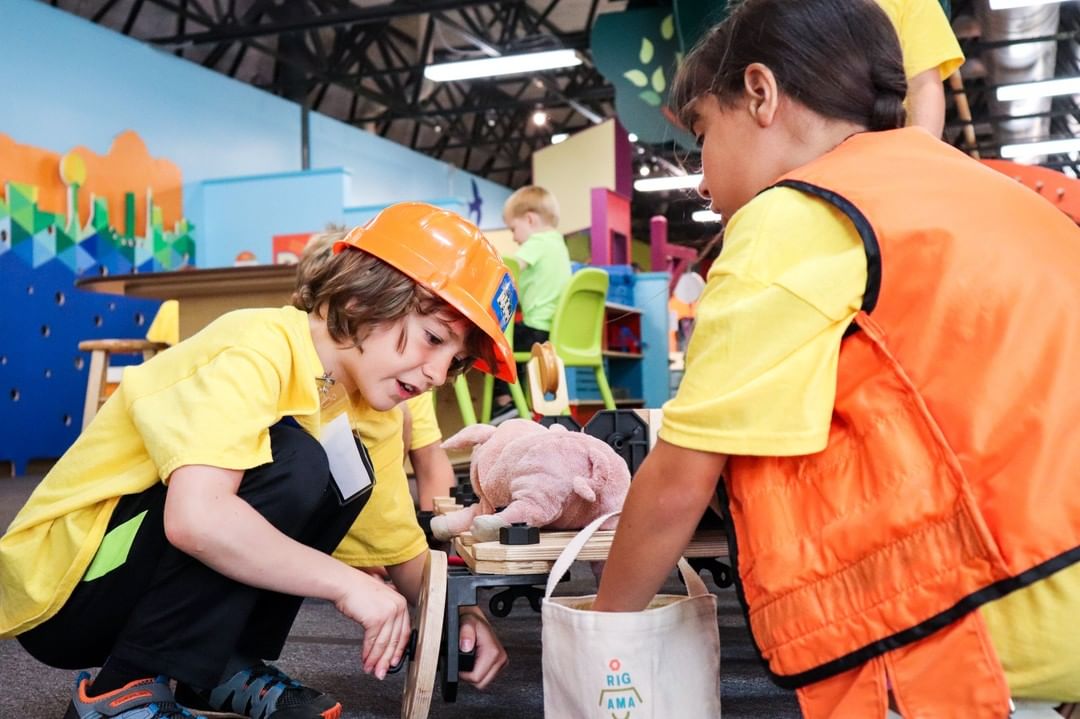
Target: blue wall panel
42	373
244	213
382	173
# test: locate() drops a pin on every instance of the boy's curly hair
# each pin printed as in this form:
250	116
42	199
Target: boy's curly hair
356	291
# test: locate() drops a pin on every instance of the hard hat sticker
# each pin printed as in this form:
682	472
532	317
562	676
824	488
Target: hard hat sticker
505	302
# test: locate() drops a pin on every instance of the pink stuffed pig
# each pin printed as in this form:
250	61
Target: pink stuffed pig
543	476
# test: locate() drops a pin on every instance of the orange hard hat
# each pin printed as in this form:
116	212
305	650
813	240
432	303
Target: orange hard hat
449	255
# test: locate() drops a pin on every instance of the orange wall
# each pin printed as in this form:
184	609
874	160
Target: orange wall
127	167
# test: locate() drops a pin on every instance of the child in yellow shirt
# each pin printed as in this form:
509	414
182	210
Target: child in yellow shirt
931	53
179	534
831	211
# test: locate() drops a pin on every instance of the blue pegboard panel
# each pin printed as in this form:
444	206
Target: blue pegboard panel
42	372
620	283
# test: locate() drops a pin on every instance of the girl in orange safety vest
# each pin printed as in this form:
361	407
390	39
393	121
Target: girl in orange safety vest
884	371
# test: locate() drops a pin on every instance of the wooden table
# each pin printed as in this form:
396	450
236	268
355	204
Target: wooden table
206	294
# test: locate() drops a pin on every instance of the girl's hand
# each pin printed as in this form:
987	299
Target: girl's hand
385	617
490	655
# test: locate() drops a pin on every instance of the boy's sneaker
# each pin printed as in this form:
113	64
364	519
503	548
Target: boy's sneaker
502	413
262	692
141	699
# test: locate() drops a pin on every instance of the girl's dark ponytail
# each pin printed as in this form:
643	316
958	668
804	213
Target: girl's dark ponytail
888	112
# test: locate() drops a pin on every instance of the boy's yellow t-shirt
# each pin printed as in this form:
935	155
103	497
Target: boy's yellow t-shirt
386	532
761	380
926	38
208	400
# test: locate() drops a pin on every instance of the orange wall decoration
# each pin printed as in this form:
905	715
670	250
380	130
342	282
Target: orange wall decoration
126	167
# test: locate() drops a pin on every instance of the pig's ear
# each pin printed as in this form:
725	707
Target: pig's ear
472	435
583	490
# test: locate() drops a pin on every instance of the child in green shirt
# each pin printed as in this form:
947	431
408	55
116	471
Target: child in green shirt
532	214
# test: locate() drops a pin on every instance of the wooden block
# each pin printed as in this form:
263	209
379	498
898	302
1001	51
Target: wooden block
445	505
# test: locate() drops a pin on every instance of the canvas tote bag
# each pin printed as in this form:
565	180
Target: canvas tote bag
660	663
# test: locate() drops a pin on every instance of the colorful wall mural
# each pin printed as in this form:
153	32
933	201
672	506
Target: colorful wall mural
61	208
62	217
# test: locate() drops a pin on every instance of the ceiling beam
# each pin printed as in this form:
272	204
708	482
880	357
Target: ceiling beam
355	16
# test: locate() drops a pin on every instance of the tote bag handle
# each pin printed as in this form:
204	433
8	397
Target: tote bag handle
694	585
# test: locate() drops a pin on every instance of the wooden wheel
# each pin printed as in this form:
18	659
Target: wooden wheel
547	375
548	365
420	683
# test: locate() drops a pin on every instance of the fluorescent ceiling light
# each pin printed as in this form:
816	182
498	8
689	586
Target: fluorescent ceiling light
1009	4
671	182
1041	88
706	216
559	137
1035	149
502	65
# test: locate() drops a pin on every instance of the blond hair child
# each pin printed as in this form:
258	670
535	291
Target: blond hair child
532	214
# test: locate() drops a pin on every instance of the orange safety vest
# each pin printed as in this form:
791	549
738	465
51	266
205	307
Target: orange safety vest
950	475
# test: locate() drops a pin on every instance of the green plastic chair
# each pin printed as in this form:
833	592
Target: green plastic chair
516	393
578	326
464	400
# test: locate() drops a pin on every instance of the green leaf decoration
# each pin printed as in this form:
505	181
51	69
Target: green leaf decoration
651	98
658	82
636	77
667	27
646	54
678	59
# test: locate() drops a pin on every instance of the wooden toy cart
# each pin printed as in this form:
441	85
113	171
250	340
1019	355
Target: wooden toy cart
521	571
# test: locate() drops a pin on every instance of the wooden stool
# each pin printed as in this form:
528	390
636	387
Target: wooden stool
97	379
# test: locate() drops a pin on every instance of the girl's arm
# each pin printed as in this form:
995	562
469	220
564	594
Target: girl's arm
658	519
206	519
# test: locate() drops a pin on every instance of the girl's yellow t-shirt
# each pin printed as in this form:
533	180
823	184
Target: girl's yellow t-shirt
761	380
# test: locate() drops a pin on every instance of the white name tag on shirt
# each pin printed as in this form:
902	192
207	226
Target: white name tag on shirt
349	465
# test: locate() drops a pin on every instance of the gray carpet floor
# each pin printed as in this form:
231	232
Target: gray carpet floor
323	652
